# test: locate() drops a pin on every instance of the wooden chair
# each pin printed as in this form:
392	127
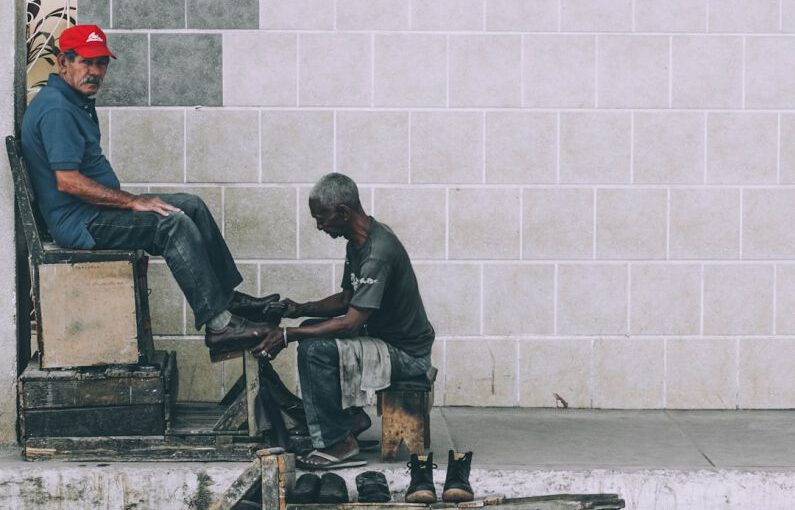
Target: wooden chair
91	306
405	410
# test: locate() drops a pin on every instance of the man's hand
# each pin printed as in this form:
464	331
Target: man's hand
147	203
292	309
272	345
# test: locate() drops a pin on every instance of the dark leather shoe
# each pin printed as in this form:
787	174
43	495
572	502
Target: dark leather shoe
239	335
257	309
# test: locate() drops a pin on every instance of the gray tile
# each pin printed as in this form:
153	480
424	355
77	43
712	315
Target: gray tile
126	83
548	437
214	14
148	13
96	12
735	439
186	69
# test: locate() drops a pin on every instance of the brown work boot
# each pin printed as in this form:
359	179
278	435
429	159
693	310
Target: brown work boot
257	309
239	335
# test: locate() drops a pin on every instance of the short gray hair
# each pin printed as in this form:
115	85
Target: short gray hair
335	189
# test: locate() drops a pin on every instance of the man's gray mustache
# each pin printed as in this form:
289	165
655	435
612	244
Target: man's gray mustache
93	80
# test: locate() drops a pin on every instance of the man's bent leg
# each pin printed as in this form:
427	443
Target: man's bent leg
406	366
178	240
217	251
318	370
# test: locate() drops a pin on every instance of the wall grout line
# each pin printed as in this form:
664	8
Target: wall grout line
668	225
701	315
743	75
555	295
482	272
149	68
410	142
665	374
594	224
775	298
670	72
110	136
447	70
629	299
560	15
483	147
778	148
521	71
372	70
259	145
521	224
297	70
185	146
447	223
632	6
517	380
557	149
632	148
298	223
596	71
334	140
742	200
706	146
368	31
592	372
706	18
780	15
737	372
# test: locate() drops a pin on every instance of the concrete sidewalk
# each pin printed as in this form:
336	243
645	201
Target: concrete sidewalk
654	459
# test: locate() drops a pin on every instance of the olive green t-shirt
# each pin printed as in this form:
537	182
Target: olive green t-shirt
380	274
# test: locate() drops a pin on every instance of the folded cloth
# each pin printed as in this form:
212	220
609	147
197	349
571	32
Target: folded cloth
365	367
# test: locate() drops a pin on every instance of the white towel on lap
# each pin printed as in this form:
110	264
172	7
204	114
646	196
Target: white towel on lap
365	368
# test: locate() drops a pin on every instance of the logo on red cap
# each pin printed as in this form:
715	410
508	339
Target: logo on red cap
88	41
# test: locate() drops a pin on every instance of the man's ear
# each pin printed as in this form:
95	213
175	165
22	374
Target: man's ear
344	211
61	59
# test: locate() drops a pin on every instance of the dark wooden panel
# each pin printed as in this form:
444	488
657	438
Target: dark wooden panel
58	394
138	420
132	449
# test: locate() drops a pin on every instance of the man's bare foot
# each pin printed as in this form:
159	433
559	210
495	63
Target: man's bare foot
332	457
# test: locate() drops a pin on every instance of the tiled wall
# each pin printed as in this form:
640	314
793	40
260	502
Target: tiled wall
597	194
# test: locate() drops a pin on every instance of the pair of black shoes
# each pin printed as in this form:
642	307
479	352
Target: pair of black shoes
331	488
456	483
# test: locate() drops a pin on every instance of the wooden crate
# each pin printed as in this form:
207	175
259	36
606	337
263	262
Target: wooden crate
118	400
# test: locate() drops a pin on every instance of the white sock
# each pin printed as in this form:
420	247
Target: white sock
220	321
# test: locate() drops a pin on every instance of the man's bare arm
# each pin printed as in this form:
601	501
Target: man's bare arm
330	306
89	190
347	326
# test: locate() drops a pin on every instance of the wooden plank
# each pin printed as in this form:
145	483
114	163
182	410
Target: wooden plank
87	314
234	391
251	371
247	483
235	416
57	394
278	477
359	506
95	421
138	449
403	416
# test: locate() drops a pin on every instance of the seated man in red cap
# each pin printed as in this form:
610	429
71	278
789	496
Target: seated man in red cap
81	201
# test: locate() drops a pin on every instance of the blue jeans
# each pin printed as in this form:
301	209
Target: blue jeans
190	243
319	372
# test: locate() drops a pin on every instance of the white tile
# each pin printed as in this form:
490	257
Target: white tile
485	70
296	14
668	148
447	15
490	382
522	15
631	223
521	147
628	373
670	15
707	72
743	16
595	147
738	299
701	373
596	15
373	146
592	299
400	207
555	366
558	224
484	223
372	14
705	224
410	70
451	297
335	69
768	227
767	380
741	148
446	147
633	71
769	81
260	69
665	299
518	299
297	146
559	71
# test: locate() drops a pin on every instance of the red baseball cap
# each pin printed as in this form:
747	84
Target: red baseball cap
88	41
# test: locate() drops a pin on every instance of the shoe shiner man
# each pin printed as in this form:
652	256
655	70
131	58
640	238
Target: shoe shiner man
373	331
83	206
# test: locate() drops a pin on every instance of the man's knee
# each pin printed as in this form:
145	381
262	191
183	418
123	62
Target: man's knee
318	349
189	203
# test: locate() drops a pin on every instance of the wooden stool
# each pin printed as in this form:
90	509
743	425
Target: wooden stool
405	410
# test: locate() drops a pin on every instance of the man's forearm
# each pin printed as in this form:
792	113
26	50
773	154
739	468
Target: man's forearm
331	306
91	191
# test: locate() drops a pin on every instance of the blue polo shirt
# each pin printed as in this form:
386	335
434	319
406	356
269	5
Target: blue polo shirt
60	131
